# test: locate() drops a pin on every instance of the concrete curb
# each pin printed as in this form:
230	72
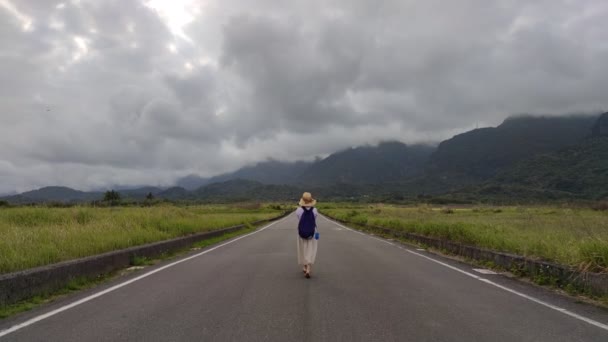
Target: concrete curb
25	284
559	275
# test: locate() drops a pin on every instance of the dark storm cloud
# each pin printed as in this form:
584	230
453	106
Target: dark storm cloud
143	91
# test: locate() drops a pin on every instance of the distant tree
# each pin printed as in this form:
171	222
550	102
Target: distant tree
111	196
149	196
4	204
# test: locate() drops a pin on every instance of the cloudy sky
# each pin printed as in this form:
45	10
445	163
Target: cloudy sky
96	93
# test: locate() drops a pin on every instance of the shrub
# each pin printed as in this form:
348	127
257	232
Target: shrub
594	254
352	213
111	196
83	216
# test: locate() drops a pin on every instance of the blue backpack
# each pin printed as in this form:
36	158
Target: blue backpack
307	225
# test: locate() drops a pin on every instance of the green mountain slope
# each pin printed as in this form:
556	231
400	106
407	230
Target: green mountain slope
54	194
267	172
245	190
388	162
174	193
482	153
580	171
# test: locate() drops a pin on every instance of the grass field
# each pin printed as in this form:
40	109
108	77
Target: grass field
570	236
36	236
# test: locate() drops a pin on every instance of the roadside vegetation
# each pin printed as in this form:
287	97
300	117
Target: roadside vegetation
570	236
36	236
82	283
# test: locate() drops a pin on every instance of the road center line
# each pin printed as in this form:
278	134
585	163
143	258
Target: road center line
118	286
489	282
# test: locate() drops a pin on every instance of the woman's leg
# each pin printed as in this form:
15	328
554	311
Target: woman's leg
300	252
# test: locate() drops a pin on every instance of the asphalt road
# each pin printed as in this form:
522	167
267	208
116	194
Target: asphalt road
362	289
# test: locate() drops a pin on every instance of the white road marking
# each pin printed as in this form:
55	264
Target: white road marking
421	249
118	286
484	271
381	240
489	282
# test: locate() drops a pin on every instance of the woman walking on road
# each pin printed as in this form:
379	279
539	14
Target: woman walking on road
307	232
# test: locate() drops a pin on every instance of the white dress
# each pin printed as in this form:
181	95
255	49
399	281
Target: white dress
307	248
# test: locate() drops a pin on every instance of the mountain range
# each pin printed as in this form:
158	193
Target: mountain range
482	153
267	172
536	157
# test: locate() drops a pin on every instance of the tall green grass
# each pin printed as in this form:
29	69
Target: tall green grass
571	236
36	236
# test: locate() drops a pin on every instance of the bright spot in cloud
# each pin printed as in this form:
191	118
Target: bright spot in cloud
521	23
188	66
176	14
204	61
172	48
220	111
81	48
60	6
27	24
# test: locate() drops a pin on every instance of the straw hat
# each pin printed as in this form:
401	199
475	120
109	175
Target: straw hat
307	200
